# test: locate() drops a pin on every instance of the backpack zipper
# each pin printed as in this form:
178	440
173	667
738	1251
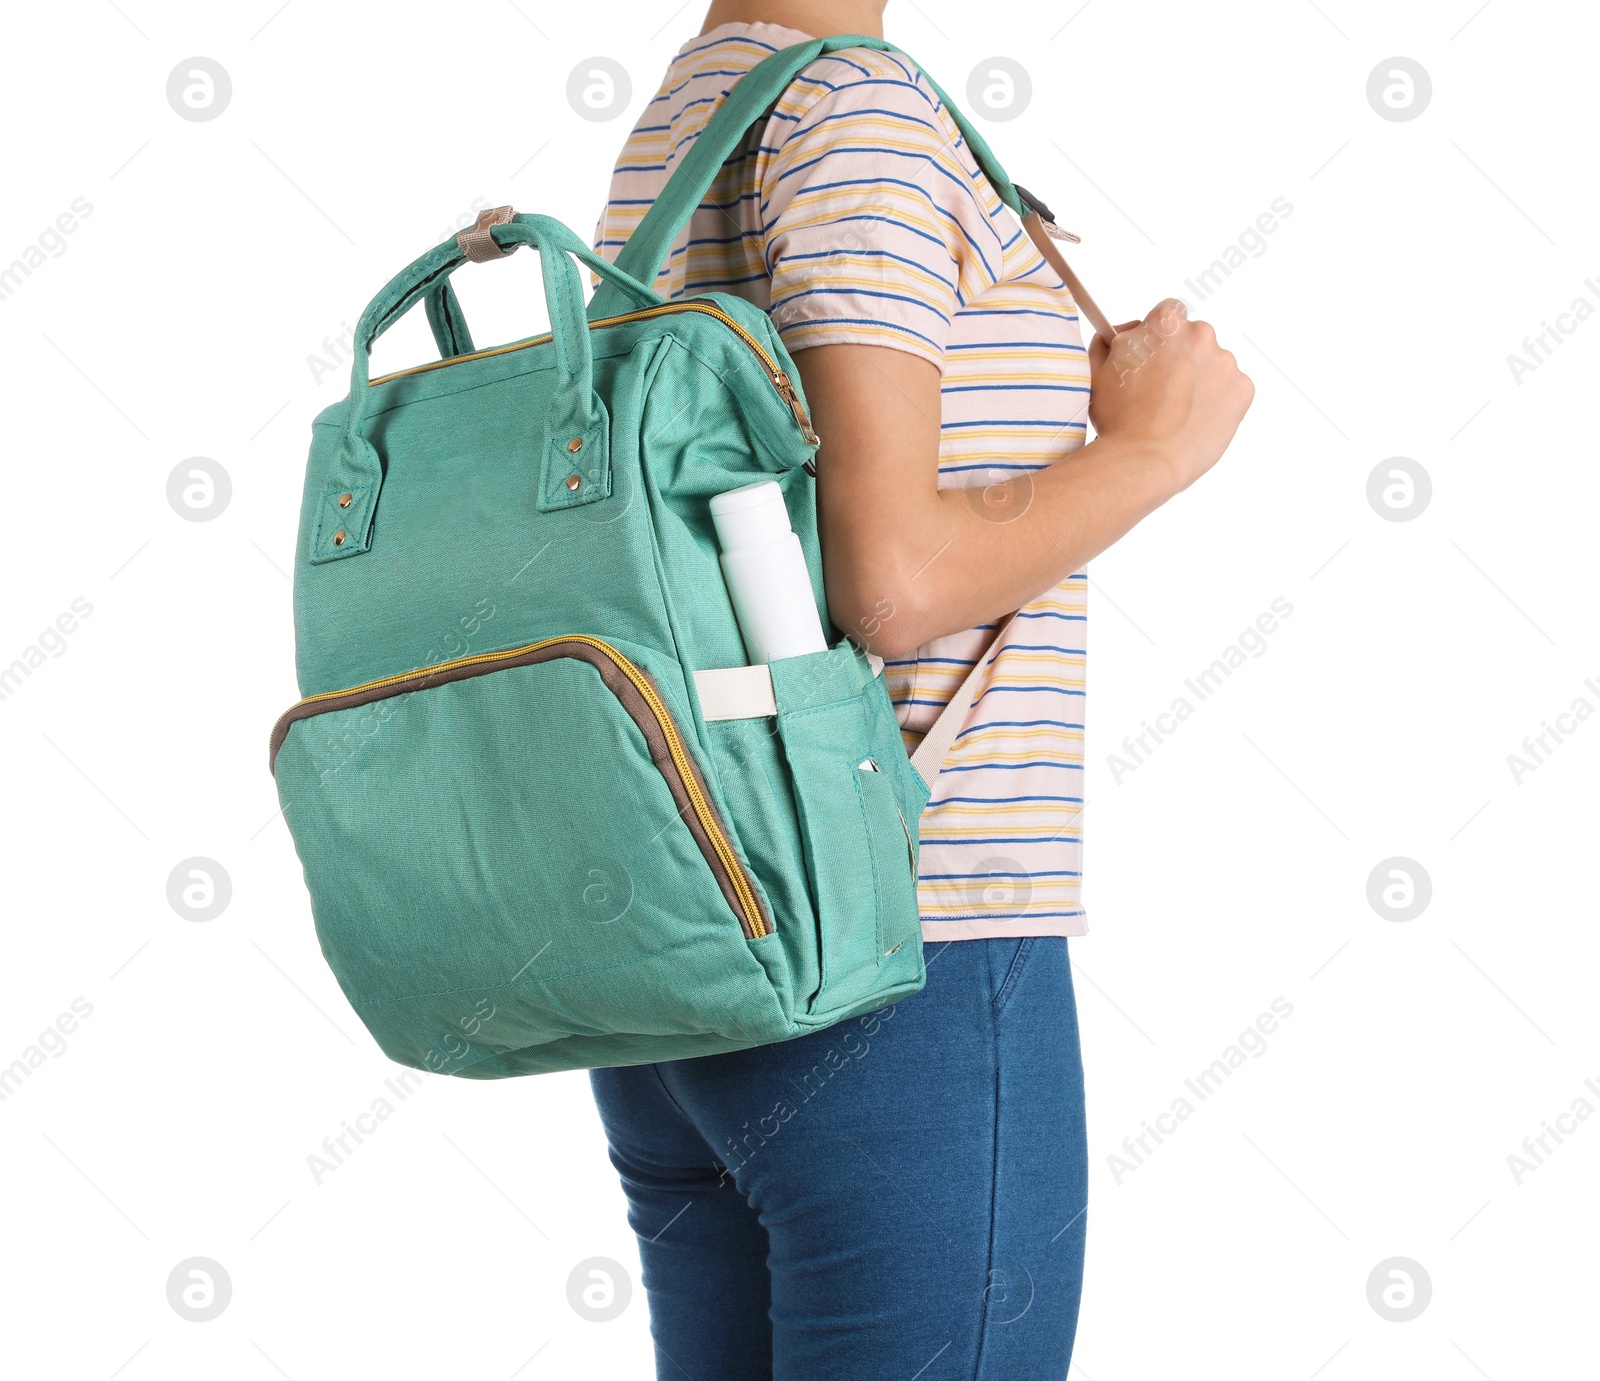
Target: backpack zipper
780	380
755	923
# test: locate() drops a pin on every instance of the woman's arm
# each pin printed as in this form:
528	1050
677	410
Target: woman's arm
905	562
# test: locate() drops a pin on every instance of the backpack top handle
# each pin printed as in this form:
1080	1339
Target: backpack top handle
344	523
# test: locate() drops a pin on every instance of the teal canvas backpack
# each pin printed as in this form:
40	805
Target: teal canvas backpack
548	818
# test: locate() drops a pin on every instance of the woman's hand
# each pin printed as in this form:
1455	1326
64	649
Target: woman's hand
1168	390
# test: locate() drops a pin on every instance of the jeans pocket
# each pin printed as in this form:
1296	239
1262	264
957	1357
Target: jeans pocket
1013	960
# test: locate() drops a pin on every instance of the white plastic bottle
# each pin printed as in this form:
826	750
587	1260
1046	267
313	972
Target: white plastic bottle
766	574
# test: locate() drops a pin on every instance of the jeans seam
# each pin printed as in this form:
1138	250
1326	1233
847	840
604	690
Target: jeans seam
994	1198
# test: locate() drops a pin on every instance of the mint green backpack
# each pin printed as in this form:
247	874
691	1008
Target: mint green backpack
548	817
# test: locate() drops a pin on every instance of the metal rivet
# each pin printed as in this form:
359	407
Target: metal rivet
573	481
576	444
344	500
338	538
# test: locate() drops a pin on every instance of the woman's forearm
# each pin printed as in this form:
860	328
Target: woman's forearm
962	557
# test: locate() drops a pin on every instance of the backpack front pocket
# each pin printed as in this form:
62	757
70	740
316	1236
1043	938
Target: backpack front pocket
517	847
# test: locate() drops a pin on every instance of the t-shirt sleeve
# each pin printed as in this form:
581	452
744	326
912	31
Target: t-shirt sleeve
878	223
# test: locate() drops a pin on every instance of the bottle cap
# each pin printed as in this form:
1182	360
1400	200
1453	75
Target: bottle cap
750	515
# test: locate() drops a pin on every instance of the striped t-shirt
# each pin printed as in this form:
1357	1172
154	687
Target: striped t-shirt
856	214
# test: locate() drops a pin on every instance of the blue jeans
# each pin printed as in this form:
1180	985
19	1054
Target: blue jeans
901	1195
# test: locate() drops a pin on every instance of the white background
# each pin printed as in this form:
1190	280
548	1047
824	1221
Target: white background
1227	870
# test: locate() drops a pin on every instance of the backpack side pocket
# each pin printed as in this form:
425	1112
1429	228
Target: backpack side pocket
858	846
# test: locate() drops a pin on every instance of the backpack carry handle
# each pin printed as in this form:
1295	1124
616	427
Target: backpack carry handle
573	437
429	275
751	98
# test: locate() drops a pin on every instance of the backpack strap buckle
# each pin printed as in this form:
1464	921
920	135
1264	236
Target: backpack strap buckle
477	243
1046	216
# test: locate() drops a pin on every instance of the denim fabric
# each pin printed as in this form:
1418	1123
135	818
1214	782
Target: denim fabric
901	1195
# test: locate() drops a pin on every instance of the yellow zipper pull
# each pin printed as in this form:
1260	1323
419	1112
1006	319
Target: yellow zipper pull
786	391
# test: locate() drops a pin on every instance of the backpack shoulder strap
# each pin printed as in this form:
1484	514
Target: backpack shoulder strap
751	98
930	754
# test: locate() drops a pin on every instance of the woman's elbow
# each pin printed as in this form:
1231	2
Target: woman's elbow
873	616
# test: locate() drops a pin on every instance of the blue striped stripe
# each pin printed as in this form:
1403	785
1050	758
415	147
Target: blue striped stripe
1017	724
1016	388
1023	690
1001	800
701	48
1014	344
948	469
1013	766
696	76
857	321
1002	839
860	292
1009	422
834	255
961	877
